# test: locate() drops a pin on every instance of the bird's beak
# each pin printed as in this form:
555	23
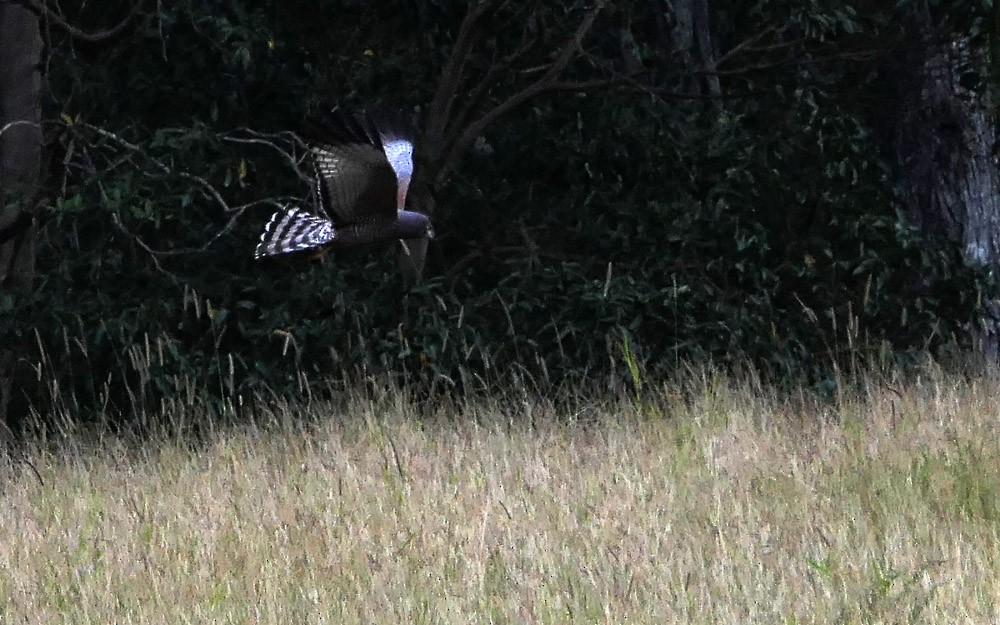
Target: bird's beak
411	260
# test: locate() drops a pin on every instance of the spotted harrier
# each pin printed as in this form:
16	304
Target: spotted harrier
362	171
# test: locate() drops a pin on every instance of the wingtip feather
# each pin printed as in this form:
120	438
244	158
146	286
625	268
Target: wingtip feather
293	230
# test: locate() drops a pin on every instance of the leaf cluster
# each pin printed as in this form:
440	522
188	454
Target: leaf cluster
762	226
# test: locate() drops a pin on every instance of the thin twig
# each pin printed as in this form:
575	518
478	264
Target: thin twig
271	140
206	187
18	122
157	169
451	75
40	9
138	241
461	138
749	41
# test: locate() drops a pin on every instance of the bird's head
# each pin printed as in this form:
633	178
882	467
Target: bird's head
414	225
415	231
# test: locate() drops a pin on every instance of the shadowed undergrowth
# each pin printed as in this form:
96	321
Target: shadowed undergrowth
705	500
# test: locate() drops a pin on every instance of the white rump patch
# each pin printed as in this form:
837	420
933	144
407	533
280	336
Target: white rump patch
399	153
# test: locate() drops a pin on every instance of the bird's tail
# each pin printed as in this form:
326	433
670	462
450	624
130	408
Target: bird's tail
291	230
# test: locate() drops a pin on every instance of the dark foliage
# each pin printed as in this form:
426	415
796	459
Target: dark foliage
760	226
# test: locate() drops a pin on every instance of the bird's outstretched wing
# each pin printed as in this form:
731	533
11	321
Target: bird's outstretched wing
356	181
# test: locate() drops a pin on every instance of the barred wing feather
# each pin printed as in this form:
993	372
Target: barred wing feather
292	230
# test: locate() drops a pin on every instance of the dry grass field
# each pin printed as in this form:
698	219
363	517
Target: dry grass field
709	501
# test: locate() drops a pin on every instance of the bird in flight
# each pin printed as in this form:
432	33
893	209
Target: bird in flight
362	172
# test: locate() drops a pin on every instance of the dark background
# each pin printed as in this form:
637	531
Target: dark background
666	198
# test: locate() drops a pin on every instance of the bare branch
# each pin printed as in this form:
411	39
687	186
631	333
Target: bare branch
461	139
138	241
474	97
293	151
18	122
154	168
746	43
121	227
451	75
575	44
39	8
206	187
804	62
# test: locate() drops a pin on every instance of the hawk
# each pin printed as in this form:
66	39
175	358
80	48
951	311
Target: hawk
362	172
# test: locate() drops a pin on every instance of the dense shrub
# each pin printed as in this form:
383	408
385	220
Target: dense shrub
760	227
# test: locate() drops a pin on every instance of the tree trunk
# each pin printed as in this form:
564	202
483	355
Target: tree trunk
941	142
20	164
689	34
